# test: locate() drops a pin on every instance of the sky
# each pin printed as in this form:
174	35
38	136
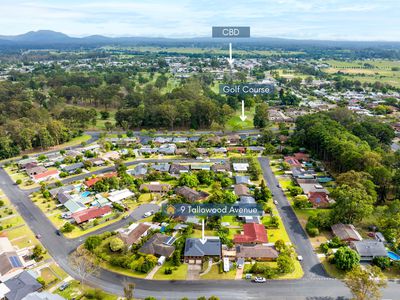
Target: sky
300	19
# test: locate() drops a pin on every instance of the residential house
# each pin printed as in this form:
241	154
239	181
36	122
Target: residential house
292	161
35	170
241	190
221	167
10	261
70	169
302	157
252	234
346	232
155	187
255	149
158	245
200	167
26	162
369	249
242	179
240	167
110	156
74	206
318	199
91	214
133	233
139	170
190	194
248	218
21	285
119	195
90	182
168	149
196	250
162	167
177	169
97	162
46	176
256	252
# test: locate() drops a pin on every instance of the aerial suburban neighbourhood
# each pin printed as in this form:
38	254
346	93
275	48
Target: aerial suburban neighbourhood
178	166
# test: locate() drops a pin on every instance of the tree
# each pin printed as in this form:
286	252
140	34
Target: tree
285	263
116	244
67	227
346	258
83	262
188	179
365	283
352	204
129	288
92	242
37	253
261	116
176	258
381	262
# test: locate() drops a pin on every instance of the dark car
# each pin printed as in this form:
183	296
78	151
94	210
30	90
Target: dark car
58	232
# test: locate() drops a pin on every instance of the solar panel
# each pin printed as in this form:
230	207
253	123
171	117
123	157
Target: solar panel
170	241
15	262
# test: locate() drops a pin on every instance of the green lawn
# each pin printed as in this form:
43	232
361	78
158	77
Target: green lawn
178	273
235	123
296	274
215	274
75	290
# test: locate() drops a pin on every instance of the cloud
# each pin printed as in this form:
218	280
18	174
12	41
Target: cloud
320	19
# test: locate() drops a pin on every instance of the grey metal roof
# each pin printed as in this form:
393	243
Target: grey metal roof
194	247
73	167
370	248
21	285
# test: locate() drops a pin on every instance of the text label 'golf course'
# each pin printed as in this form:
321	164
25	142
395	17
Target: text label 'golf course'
231	32
246	89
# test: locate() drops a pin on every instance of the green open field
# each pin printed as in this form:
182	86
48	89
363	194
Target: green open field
235	123
381	70
178	273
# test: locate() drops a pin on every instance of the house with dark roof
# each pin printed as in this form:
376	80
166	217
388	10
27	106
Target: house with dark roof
177	169
241	190
346	232
190	195
196	250
35	170
163	167
10	261
369	249
252	234
242	179
72	168
221	167
256	252
42	296
133	233
21	285
158	245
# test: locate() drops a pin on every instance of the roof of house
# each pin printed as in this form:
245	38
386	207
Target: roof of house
22	285
163	167
90	213
221	167
369	248
252	233
177	168
90	182
195	248
42	296
9	261
73	167
35	170
241	190
238	167
120	195
156	246
346	232
190	194
256	251
318	198
292	161
74	206
46	174
242	179
302	156
133	233
5	245
155	187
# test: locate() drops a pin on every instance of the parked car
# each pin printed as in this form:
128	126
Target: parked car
299	257
38	236
148	214
275	202
58	232
260	279
63	286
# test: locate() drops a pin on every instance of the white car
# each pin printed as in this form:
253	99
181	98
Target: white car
148	214
299	258
260	279
275	202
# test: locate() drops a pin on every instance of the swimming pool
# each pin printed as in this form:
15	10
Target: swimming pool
392	255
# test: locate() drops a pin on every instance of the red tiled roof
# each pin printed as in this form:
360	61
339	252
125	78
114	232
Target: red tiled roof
45	174
90	182
252	233
302	156
318	199
90	213
292	161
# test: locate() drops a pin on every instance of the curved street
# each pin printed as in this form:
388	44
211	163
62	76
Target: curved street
314	285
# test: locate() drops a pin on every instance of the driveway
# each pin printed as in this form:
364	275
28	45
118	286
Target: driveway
138	213
193	272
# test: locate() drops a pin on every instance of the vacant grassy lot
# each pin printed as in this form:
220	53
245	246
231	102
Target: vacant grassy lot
178	273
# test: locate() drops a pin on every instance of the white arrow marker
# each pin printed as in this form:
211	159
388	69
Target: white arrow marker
203	239
243	117
230	59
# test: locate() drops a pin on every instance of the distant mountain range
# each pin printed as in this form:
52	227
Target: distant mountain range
48	38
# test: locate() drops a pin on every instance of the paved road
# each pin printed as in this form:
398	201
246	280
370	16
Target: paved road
313	286
311	265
